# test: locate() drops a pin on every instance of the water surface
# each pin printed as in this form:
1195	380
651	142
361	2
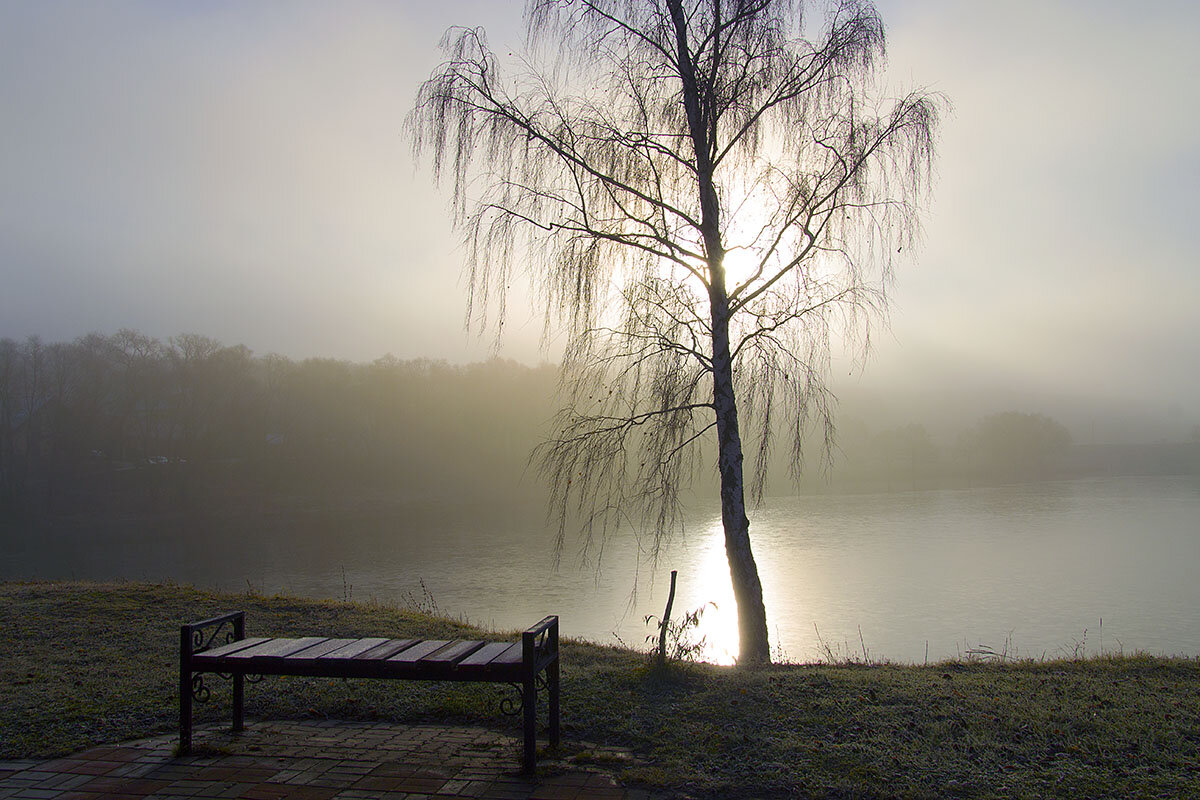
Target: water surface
1031	570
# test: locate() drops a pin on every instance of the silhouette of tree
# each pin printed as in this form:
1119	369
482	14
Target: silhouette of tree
702	197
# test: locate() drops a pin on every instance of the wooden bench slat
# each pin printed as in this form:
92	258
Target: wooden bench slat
485	654
453	653
277	648
233	647
318	650
386	650
418	651
356	648
511	655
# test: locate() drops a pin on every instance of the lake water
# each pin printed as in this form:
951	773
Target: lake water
1040	569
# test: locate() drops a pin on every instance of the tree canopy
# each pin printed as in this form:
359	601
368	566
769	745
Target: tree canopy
704	198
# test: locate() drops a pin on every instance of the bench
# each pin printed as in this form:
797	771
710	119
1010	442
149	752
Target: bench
236	655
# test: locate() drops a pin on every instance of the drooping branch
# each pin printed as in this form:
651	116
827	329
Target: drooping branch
661	139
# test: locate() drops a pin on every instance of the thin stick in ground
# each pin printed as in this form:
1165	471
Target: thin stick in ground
666	620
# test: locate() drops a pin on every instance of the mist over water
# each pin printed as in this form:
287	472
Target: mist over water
125	457
239	171
1028	570
1025	570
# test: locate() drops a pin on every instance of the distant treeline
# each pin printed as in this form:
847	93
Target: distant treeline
130	424
1007	447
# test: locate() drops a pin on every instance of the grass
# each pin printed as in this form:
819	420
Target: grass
83	664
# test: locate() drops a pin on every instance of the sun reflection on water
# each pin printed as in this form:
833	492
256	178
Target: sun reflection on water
718	625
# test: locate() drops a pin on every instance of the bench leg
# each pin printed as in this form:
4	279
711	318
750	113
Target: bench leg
185	713
552	681
185	689
529	707
239	696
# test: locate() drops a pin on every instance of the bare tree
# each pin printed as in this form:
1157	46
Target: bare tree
703	197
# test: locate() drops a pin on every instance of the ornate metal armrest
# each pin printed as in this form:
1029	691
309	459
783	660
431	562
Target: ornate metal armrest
197	637
539	644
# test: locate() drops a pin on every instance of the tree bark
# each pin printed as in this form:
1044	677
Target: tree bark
747	589
753	648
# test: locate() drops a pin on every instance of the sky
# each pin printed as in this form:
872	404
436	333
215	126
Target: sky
240	170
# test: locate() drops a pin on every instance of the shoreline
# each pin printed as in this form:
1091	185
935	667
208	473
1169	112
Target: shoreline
89	663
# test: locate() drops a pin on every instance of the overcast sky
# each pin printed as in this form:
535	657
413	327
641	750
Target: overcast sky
239	170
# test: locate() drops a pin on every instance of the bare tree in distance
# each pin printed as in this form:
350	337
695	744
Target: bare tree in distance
703	199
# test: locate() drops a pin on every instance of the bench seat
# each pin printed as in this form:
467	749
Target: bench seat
518	663
433	659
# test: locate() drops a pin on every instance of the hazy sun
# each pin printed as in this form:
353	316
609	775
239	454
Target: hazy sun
740	264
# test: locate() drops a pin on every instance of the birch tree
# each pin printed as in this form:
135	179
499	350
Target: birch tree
705	199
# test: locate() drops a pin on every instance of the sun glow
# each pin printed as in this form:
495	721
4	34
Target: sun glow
740	265
719	624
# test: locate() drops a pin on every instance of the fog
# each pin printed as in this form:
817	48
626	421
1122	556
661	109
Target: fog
233	351
126	427
242	172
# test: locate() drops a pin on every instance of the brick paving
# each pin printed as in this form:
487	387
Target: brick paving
314	761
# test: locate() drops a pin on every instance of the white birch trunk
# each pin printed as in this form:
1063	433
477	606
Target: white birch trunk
753	647
747	589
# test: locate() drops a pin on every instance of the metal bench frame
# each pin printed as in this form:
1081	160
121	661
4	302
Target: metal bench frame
519	664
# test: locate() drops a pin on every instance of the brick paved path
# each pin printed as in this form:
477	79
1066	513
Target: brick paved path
311	761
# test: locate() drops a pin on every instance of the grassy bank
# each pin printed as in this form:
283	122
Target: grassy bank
82	664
